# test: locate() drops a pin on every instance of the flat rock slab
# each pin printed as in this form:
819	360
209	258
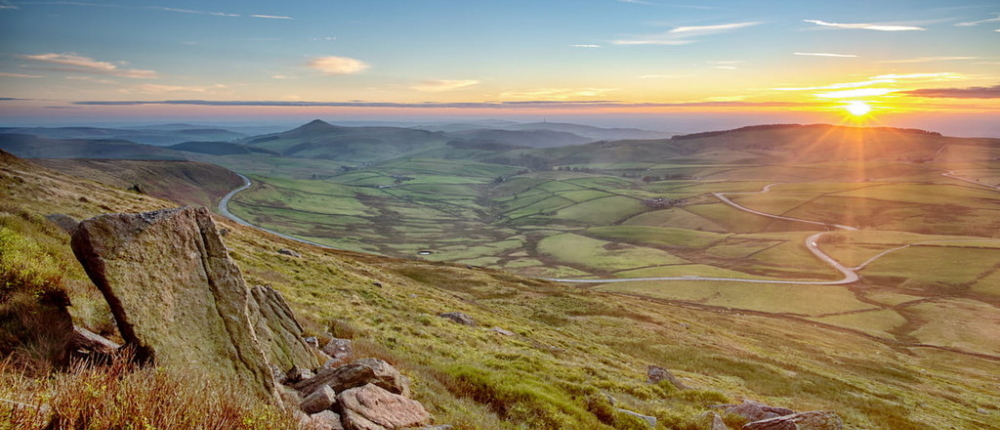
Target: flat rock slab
372	408
176	295
359	373
813	420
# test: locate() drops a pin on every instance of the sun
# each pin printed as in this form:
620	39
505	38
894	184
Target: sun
858	108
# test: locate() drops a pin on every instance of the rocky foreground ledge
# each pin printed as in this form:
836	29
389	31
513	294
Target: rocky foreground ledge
180	301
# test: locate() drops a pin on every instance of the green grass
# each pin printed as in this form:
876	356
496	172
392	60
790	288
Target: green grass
795	299
656	236
676	218
600	255
934	268
684	270
877	323
601	211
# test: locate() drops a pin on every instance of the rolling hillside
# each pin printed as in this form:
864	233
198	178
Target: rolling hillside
569	349
29	146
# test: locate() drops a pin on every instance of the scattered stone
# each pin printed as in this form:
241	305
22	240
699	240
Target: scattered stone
648	419
377	284
278	331
137	188
372	408
459	318
325	420
176	295
320	400
714	421
312	341
289	252
223	232
502	332
814	420
356	374
655	374
340	351
92	342
754	411
298	374
64	222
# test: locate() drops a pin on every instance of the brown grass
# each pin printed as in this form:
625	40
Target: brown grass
122	395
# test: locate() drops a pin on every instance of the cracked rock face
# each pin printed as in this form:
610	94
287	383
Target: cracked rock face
176	295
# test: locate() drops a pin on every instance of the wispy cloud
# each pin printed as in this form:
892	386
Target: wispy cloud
271	17
942	76
683	35
927	60
860	92
556	93
6	5
191	11
712	29
92	79
442	85
824	54
585	46
958	93
75	63
973	23
635	2
865	26
164	89
18	75
338	65
839	86
467	105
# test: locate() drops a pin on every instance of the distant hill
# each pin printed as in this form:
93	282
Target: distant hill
593	133
182	182
29	146
170	135
769	144
319	139
220	148
528	138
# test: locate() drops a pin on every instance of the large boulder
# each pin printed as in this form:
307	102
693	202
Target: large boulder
278	331
177	297
655	374
814	420
372	408
340	351
755	411
326	420
359	373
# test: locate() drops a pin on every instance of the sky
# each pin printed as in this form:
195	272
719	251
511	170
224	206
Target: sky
668	65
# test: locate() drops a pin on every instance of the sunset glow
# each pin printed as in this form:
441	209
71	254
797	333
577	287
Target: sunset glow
781	62
858	108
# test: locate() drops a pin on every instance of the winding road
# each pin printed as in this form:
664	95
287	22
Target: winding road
224	210
850	276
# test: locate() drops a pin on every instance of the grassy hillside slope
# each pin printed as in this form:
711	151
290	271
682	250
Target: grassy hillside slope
570	346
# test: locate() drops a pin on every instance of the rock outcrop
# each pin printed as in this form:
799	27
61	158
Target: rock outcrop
176	295
278	331
814	420
655	374
64	222
459	318
340	351
754	411
645	418
370	407
361	372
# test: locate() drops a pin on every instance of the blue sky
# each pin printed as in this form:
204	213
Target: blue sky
83	60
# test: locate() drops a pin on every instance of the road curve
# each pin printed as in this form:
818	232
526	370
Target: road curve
224	210
849	275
